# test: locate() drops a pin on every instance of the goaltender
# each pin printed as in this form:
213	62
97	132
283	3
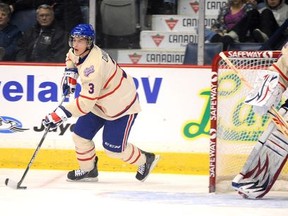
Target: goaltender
269	155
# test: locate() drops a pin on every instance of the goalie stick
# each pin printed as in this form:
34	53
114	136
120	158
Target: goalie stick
276	117
17	185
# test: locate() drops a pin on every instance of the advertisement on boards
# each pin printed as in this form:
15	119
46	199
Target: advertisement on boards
174	100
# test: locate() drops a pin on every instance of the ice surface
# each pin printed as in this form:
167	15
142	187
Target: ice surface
48	193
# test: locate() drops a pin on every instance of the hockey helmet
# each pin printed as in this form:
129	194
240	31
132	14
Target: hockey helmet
83	30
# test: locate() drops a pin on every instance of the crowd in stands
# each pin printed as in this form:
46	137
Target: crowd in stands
37	30
251	21
234	23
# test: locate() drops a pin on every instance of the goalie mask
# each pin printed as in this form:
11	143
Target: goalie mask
83	30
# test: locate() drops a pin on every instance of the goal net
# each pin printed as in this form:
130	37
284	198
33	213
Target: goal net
235	128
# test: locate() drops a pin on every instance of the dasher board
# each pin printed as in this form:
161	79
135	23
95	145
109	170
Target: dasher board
191	7
166	40
141	56
174	23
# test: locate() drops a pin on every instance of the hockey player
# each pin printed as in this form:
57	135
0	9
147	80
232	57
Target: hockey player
269	155
108	100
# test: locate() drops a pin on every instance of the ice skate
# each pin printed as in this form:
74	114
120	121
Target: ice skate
145	169
84	176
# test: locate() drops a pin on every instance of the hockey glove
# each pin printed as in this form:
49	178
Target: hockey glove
274	100
69	81
266	92
56	118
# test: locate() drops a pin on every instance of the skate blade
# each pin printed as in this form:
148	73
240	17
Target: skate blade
84	180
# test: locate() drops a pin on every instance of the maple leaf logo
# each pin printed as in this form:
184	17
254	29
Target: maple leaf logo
157	39
135	58
171	23
195	6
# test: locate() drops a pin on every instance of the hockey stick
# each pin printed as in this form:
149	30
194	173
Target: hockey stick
276	117
17	185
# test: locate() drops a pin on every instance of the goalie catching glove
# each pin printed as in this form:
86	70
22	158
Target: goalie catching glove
56	118
266	92
69	81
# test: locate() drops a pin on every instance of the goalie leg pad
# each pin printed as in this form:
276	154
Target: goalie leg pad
260	178
263	165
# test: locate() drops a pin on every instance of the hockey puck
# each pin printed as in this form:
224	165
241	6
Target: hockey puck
6	181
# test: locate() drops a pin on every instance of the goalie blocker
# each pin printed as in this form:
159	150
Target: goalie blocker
264	163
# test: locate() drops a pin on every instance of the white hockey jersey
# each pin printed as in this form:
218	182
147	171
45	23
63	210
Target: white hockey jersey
106	89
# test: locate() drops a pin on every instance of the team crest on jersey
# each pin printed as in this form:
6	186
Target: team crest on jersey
89	70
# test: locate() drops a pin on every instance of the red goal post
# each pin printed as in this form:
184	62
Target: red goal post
235	128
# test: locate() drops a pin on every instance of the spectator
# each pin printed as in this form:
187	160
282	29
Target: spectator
9	34
272	16
68	13
45	42
235	23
